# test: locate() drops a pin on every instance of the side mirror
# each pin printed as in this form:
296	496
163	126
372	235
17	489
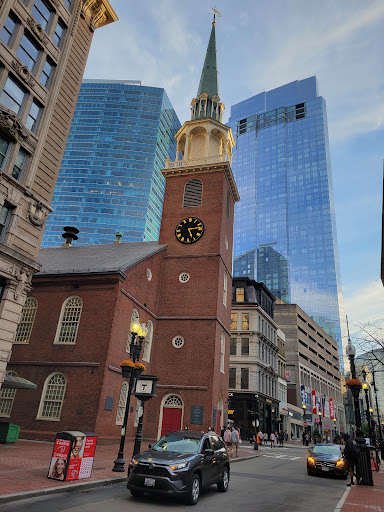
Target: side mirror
309	451
150	446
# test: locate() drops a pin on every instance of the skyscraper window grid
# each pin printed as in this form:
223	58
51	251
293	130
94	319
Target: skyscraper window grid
285	232
110	177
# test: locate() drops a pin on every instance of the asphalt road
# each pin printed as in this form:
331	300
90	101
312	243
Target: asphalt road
276	481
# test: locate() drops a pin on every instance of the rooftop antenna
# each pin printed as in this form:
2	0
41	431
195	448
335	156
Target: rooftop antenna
215	11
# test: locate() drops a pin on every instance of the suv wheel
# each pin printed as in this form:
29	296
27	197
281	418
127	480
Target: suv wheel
222	486
194	490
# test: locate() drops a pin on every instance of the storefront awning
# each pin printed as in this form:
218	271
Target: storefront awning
17	383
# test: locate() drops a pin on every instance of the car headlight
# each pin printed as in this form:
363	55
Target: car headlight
133	462
181	465
311	460
340	463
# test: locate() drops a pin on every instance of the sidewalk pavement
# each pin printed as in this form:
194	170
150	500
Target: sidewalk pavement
365	497
24	468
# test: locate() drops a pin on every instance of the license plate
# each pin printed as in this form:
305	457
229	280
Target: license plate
150	482
324	468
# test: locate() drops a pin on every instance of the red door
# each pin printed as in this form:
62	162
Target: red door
218	421
171	420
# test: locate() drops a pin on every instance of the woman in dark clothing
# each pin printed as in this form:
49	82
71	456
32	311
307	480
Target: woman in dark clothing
350	457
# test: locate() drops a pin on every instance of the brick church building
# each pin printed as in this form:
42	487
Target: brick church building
75	325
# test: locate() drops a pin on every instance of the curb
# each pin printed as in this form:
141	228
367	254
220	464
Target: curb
342	500
9	498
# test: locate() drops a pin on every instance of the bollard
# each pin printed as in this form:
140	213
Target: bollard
363	466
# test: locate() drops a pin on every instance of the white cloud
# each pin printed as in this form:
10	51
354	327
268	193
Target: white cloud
365	304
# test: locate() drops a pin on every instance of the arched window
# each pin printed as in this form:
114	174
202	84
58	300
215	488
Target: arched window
122	403
28	314
193	193
7	397
148	342
52	397
69	321
134	318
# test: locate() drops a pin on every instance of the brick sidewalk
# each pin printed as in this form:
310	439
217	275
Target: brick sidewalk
24	467
365	497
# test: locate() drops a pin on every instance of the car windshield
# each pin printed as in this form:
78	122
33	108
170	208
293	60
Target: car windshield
326	450
180	443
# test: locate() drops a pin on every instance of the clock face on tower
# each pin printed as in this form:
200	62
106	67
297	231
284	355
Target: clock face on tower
189	230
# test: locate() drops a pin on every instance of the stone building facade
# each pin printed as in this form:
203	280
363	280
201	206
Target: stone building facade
254	359
313	374
44	46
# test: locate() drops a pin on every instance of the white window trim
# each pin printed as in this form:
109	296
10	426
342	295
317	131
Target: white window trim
222	353
122	396
147	349
225	289
58	329
30	323
42	399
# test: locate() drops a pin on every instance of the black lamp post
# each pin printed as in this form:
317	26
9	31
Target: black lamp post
377	405
367	410
363	467
138	333
321	425
145	389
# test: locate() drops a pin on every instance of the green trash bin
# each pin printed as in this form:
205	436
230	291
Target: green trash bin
9	432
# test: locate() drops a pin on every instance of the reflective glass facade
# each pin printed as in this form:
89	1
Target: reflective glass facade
285	232
110	177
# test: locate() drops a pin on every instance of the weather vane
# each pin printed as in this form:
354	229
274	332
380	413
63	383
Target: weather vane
215	11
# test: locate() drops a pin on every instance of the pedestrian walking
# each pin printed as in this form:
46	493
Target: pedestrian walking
235	439
350	456
281	438
303	437
306	439
228	439
272	439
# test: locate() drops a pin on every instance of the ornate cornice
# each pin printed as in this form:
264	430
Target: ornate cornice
99	11
11	125
37	30
23	73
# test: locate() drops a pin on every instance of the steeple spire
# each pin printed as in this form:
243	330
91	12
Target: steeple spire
209	81
207	102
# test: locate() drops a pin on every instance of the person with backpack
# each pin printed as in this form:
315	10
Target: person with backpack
350	456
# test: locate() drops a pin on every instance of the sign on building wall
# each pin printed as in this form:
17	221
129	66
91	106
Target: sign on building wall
314	403
197	414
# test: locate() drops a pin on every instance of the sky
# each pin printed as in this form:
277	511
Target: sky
263	44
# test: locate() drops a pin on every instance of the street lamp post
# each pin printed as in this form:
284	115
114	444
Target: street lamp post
377	405
138	333
368	409
363	467
321	424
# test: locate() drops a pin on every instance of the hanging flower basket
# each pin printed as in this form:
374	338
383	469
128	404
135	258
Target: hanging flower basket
353	382
139	367
126	367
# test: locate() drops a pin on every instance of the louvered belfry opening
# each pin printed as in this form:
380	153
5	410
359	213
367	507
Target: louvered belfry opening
193	192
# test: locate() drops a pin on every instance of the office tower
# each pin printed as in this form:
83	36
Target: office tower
43	48
285	233
110	179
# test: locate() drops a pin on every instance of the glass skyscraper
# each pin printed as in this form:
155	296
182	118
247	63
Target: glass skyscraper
110	177
285	231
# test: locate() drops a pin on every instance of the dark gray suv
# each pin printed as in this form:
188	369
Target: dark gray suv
180	463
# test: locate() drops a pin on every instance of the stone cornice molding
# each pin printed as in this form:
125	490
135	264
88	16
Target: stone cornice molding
11	125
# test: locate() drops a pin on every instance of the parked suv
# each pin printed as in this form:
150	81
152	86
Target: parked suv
180	463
